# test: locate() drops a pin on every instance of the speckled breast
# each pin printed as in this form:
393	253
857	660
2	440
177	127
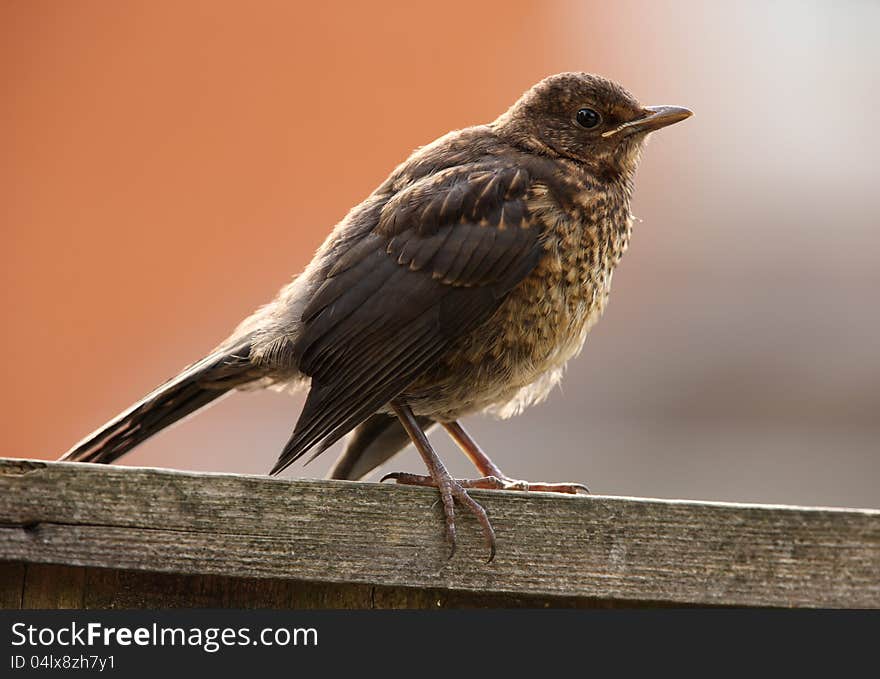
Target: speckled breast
515	358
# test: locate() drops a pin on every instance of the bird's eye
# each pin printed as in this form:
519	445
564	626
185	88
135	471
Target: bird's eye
588	118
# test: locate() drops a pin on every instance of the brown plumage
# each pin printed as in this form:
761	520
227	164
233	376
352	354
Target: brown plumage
462	284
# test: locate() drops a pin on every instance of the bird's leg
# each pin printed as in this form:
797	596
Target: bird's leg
493	477
473	451
450	489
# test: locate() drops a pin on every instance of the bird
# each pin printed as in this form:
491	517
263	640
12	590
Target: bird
462	284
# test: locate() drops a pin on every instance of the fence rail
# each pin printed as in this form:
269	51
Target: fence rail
81	535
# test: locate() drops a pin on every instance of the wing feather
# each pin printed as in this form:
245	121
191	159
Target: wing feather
444	253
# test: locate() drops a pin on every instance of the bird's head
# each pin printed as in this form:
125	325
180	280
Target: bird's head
585	118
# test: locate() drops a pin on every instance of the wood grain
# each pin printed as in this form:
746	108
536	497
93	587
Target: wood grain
52	586
388	540
11	585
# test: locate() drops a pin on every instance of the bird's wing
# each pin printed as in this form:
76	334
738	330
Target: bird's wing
445	252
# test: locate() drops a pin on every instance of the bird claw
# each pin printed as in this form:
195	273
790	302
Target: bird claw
407	479
492	482
506	483
451	490
455	489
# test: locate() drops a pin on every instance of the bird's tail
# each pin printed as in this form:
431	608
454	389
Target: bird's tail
375	441
195	387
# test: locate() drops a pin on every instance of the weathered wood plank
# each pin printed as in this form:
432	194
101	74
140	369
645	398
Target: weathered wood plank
105	588
599	548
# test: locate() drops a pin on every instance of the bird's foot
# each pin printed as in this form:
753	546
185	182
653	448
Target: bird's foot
450	490
507	483
493	482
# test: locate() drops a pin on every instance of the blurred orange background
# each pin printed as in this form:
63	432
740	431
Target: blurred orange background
166	166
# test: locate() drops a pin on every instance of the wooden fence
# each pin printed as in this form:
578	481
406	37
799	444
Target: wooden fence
92	536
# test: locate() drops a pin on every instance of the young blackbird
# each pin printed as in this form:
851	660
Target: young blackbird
462	284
